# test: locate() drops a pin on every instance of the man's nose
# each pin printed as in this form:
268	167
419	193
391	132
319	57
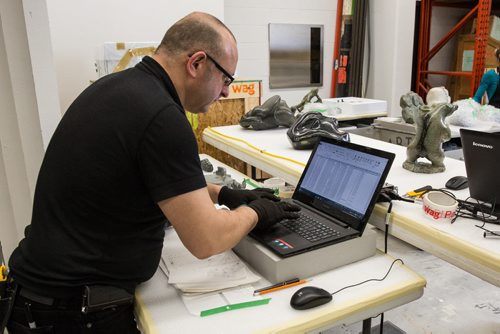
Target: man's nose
225	91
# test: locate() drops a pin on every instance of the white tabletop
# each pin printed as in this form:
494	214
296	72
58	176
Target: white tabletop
160	309
461	244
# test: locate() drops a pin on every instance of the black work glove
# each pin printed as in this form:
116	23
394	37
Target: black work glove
270	212
233	198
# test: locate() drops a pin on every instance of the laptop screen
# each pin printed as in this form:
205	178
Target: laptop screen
482	163
343	180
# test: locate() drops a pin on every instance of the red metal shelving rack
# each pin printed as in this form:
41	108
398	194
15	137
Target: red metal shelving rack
481	10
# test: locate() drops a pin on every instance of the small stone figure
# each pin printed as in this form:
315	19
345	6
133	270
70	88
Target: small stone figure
431	133
206	165
313	93
271	114
221	177
410	102
310	126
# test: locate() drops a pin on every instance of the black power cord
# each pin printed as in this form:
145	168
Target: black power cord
385	197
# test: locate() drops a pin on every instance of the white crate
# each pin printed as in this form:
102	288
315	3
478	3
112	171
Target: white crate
356	105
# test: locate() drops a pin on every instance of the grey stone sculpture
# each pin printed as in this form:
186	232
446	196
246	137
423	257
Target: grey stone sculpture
206	165
310	126
410	102
221	177
313	93
271	114
431	133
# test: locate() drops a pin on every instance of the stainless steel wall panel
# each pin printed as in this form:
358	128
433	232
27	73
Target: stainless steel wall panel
295	55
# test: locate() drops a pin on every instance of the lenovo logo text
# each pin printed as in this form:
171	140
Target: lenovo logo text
482	145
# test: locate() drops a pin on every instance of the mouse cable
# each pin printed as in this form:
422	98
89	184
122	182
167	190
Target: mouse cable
371	279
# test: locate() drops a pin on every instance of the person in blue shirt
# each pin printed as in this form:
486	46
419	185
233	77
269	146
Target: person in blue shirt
489	84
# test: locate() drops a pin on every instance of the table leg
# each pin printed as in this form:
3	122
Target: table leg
367	326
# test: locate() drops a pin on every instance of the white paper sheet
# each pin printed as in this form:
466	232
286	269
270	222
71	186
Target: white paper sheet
190	274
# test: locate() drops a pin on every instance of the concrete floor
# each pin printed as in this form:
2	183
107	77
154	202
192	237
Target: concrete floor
454	301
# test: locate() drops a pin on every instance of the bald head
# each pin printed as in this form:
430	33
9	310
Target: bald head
196	31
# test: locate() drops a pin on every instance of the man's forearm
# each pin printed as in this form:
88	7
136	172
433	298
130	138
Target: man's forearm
213	190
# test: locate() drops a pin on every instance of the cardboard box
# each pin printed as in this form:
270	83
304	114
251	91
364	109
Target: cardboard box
494	27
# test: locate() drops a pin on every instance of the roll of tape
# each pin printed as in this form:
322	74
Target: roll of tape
274	183
439	205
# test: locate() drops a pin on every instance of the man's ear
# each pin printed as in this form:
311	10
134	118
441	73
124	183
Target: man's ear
195	62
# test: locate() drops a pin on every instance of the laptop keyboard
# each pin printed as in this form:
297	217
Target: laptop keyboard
309	228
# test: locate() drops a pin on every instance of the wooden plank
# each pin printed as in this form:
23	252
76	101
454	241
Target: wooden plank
243	96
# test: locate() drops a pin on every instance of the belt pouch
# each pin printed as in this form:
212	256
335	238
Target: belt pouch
7	298
101	297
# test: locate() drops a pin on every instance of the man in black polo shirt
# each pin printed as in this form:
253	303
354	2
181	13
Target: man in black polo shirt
122	160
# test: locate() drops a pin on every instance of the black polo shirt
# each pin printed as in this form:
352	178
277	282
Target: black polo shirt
122	146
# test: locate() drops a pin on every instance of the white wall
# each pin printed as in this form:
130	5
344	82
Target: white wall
391	31
79	27
43	70
20	128
249	21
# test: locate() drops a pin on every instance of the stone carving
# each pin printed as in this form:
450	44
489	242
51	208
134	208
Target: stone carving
313	93
431	133
221	177
271	114
206	165
410	102
310	126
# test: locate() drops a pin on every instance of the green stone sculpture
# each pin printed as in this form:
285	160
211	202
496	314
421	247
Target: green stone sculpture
409	103
313	93
431	133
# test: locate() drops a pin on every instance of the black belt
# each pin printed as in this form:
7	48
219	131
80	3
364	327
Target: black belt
75	300
28	294
91	299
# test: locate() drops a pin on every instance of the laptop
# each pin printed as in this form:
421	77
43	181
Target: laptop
336	192
482	163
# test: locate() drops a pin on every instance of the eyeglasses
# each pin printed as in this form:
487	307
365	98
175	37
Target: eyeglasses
229	78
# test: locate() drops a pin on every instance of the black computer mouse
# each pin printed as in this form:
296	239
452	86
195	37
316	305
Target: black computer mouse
309	297
457	183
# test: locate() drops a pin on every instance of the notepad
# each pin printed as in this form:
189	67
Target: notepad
192	275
